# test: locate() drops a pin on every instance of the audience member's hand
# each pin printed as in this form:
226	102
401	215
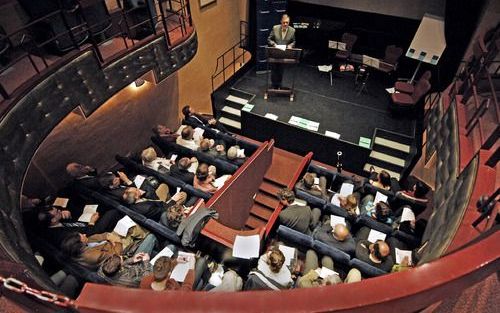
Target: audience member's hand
113	238
212	121
194	160
405	261
65	214
219	148
141	256
178	196
94	218
124	178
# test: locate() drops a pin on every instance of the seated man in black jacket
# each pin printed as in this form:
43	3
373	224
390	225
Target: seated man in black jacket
180	170
152	209
377	254
338	237
191	117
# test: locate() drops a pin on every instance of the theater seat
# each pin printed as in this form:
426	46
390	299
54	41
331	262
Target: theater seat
302	240
408	88
403	101
312	201
338	256
365	268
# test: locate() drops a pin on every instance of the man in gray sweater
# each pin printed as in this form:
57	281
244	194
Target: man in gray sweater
297	216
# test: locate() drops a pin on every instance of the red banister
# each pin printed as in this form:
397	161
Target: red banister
407	291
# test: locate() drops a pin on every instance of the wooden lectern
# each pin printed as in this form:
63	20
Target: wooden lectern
278	56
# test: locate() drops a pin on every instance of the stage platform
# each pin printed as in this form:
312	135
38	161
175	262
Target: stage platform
338	108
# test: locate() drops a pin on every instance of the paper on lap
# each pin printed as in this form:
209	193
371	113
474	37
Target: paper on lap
124	225
88	211
376	235
289	253
246	247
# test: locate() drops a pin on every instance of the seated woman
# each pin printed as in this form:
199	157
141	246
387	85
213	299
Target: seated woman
381	212
151	160
417	192
271	272
203	180
380	180
350	204
211	148
312	271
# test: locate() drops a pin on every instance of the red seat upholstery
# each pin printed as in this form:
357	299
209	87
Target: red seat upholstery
407	87
404	100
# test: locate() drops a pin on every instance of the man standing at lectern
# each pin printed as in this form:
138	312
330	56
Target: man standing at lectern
282	34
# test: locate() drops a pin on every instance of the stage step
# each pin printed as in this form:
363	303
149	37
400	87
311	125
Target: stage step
231	123
261	211
269	187
387	158
236	99
392	144
267	201
232	111
378	169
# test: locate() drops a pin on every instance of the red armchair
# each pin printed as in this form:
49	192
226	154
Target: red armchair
407	87
402	100
349	40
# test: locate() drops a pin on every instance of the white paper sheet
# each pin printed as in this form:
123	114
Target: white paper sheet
88	211
198	133
289	253
332	134
281	47
376	235
346	189
216	277
246	247
271	116
165	252
180	270
325	68
192	168
173	157
316	180
391	90
240	153
138	180
325	272
178	190
380	197
219	182
407	215
124	225
335	199
334	220
400	254
62	202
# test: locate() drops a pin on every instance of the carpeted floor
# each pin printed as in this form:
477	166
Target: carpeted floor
337	108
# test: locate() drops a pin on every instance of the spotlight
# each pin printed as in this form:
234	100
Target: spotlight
139	82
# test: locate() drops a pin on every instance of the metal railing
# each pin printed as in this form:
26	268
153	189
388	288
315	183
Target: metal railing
234	57
171	17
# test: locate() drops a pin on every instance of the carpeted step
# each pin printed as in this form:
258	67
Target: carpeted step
390	151
394	137
387	158
392	144
232	112
231	123
241	94
385	165
235	99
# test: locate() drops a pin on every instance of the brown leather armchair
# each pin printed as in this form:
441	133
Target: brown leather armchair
408	88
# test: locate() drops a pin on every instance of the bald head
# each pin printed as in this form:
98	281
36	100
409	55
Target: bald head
380	250
383	248
340	232
76	170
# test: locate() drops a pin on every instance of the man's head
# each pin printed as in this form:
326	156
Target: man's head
285	21
162	268
50	217
286	196
380	250
232	153
149	155
131	195
202	172
184	163
382	211
340	232
420	190
384	178
308	180
187	111
187	133
77	170
73	244
109	181
112	265
161	130
276	260
349	203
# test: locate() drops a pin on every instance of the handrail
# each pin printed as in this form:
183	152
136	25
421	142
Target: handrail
83	33
221	59
409	291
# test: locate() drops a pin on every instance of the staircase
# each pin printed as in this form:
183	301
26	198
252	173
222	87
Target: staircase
390	152
230	113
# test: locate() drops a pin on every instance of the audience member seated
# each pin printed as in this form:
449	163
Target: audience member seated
230	282
191	117
296	216
203	179
57	223
209	147
181	170
381	212
115	184
311	277
350	204
380	180
187	140
84	174
307	184
417	192
165	133
271	273
236	155
338	237
377	254
150	208
151	160
128	273
173	216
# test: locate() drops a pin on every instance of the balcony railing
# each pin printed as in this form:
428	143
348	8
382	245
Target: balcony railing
110	31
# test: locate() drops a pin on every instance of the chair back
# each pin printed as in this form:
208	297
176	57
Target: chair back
392	54
421	88
349	39
426	76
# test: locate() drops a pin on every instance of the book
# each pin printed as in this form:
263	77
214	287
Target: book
124	225
165	252
62	202
88	211
376	235
246	247
400	254
380	197
334	220
139	180
407	215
